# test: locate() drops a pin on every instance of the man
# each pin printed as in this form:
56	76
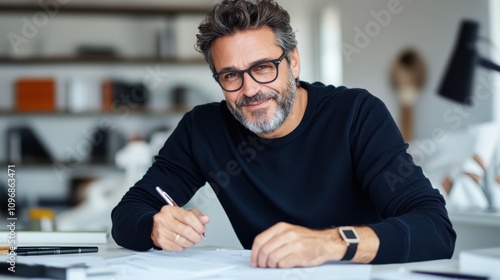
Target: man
290	162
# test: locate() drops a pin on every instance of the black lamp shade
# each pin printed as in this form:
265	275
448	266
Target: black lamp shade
459	76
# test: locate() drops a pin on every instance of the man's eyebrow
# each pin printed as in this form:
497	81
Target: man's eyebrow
232	68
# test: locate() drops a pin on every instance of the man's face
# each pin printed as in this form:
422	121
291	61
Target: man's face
261	108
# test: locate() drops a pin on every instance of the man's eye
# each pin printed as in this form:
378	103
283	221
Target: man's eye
261	67
230	76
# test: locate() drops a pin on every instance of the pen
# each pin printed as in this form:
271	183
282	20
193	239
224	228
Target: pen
451	275
169	200
166	197
7	249
55	251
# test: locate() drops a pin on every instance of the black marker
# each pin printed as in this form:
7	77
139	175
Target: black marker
34	251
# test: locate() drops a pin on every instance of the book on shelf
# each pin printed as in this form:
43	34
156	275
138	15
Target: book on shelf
117	93
55	237
481	262
35	95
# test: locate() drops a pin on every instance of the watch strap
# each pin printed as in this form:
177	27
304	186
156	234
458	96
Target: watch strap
351	251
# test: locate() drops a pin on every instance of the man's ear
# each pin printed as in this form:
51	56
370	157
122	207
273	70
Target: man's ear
295	62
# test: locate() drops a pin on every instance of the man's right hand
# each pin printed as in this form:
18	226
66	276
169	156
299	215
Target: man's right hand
176	229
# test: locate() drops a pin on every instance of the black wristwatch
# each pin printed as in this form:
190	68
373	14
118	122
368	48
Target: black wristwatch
351	239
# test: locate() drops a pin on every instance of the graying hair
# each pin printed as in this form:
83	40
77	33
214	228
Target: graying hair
230	16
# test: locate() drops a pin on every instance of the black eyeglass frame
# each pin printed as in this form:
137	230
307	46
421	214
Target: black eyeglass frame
276	63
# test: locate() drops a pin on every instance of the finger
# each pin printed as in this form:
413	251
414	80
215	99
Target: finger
273	258
182	241
195	211
204	219
276	248
298	253
190	219
289	261
283	256
188	232
262	239
171	221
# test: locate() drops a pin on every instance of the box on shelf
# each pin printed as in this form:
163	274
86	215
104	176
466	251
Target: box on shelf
35	95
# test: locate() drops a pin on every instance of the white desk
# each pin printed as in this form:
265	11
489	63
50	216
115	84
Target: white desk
113	251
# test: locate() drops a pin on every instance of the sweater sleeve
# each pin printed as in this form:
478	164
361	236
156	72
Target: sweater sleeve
175	171
415	224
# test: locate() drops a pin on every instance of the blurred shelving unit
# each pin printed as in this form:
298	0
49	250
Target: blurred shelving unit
162	27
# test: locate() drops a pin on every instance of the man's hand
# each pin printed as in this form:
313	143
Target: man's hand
286	245
175	229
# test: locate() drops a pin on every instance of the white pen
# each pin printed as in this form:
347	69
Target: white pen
166	197
169	200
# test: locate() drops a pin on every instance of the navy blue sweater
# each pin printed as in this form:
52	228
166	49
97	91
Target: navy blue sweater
345	164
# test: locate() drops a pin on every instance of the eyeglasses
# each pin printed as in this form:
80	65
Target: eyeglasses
263	72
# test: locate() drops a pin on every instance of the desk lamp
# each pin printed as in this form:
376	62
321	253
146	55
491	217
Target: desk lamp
458	79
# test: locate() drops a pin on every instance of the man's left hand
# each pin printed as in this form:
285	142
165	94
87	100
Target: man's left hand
286	245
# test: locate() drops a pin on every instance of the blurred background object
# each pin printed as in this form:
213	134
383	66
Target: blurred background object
408	77
41	219
458	80
101	195
479	169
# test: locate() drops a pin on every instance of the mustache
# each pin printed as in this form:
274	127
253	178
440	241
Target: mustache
260	96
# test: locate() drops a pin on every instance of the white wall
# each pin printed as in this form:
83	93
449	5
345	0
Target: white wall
495	53
430	26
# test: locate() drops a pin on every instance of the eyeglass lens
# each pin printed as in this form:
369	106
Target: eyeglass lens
262	73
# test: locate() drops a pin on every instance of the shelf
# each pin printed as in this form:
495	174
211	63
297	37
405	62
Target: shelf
99	59
79	165
145	112
105	9
110	9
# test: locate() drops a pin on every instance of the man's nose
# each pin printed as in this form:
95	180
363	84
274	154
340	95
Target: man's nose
250	86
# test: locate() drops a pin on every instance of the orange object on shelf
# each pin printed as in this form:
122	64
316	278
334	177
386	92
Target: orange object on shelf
35	95
108	96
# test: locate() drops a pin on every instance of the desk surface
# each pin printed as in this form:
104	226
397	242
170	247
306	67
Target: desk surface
112	250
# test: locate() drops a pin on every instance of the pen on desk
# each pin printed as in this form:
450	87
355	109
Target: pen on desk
169	200
7	249
34	251
451	275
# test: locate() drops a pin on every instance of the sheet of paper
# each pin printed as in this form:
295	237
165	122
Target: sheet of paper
95	265
223	264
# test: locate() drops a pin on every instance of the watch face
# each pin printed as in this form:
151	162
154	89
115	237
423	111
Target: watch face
349	234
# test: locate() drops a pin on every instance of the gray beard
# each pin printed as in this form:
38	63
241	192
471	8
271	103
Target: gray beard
262	124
